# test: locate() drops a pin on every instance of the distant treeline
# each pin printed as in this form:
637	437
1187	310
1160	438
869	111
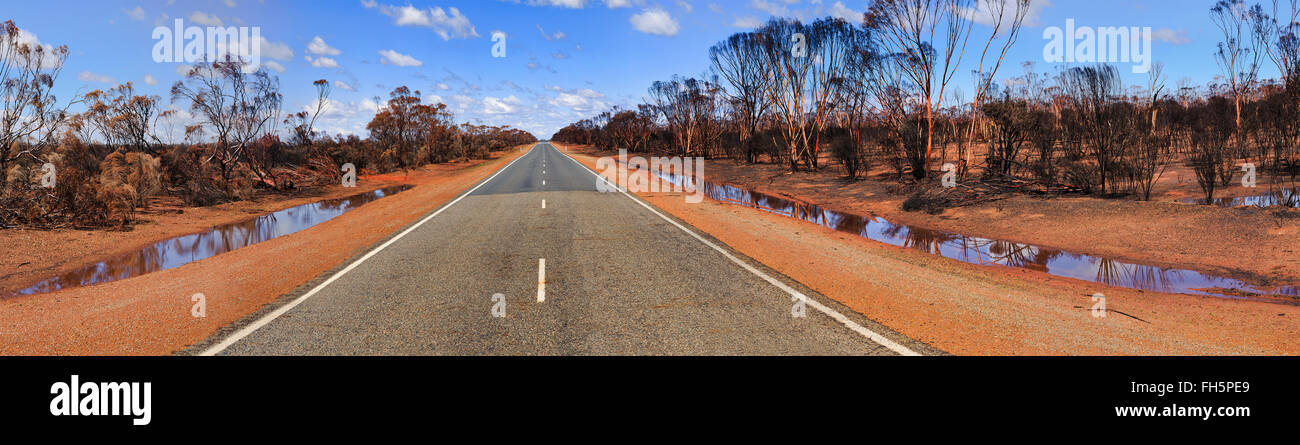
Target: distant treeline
106	162
873	94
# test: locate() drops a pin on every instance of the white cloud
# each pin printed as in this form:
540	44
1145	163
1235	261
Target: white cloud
747	22
492	105
574	4
844	12
984	16
27	38
150	80
772	8
656	21
318	47
615	4
205	19
390	57
276	50
274	65
230	3
1171	36
344	86
579	100
322	62
135	14
448	23
559	35
87	76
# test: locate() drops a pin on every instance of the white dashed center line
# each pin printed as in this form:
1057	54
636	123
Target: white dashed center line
541	280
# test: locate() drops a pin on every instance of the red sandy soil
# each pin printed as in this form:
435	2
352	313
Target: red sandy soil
1259	246
150	314
990	310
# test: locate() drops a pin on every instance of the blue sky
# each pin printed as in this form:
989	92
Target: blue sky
565	59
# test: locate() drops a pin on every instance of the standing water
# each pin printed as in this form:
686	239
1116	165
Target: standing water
985	251
1281	198
178	251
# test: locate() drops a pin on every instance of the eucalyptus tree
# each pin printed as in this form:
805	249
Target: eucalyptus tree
738	60
911	29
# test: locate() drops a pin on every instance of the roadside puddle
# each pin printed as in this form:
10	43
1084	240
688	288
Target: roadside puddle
994	252
178	251
1280	197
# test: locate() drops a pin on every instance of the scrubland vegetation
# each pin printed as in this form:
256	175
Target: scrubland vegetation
885	95
109	159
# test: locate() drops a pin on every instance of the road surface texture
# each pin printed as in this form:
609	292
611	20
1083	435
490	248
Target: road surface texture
618	278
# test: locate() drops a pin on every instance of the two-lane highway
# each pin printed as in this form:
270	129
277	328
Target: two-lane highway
618	278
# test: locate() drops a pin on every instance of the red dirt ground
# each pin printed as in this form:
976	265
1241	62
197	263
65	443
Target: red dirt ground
150	314
991	310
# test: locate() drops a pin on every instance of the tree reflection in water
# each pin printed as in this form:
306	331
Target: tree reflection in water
186	249
984	251
1280	197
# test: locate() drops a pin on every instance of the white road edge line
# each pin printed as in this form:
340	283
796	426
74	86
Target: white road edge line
266	319
541	280
853	326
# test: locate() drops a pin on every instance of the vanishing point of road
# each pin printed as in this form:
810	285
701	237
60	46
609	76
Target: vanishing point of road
534	260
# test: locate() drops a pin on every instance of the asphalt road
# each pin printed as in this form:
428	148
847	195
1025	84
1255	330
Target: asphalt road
619	279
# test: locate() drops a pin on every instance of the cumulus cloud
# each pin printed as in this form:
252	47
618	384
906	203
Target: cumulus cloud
322	62
274	65
390	57
982	15
747	22
87	76
574	4
492	105
318	47
150	80
1171	36
275	50
48	60
446	23
844	12
205	19
774	7
655	21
